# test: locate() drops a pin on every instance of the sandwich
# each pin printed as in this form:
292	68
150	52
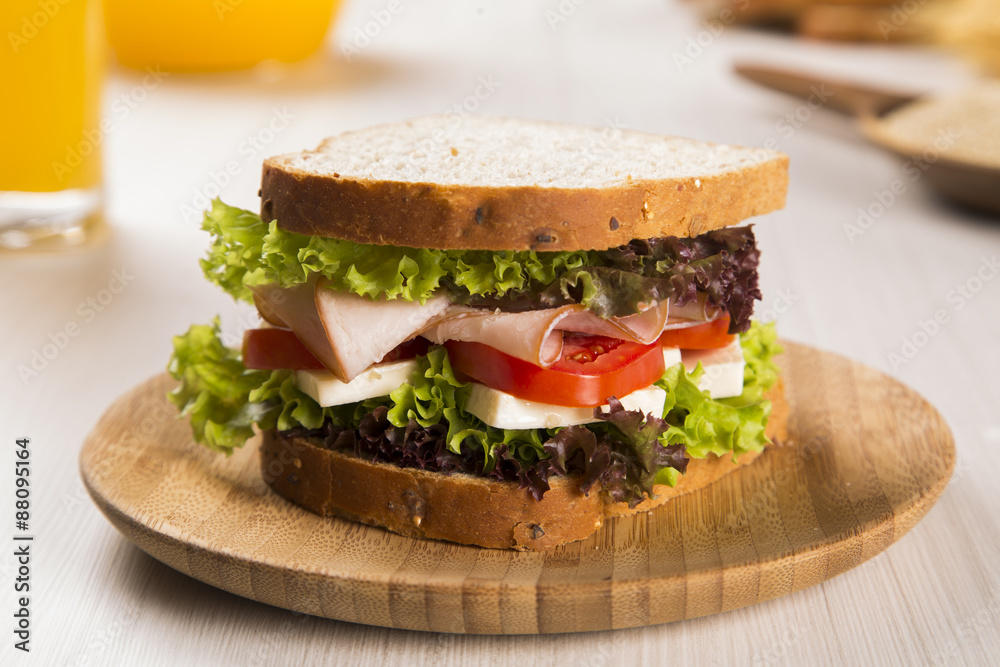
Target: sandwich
492	331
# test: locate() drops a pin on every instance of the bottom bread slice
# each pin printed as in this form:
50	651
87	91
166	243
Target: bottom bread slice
466	508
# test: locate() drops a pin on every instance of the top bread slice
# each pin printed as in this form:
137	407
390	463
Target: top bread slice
481	182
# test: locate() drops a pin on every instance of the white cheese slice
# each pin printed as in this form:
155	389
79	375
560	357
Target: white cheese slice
723	376
671	356
502	410
379	380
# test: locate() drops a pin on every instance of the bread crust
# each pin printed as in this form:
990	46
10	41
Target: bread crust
428	215
466	508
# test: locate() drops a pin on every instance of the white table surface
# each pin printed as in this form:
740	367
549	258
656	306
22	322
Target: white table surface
933	598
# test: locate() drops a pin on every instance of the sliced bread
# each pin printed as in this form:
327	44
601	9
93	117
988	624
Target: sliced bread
482	182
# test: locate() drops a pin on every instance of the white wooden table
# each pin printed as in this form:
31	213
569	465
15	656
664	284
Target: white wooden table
933	598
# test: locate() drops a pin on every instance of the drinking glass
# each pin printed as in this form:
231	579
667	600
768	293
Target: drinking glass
51	69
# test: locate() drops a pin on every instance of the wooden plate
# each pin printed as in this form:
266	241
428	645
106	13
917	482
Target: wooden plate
868	457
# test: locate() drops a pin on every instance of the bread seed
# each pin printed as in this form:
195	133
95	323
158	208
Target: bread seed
537	532
479	215
696	225
614	224
415	504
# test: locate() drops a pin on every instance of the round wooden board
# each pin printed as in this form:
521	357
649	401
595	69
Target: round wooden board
866	459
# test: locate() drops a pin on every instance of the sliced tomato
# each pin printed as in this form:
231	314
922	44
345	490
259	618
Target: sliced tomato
592	370
276	349
415	347
705	336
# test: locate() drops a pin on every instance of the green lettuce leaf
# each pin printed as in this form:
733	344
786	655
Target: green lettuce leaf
237	249
224	400
721	265
760	346
434	395
246	251
720	426
215	388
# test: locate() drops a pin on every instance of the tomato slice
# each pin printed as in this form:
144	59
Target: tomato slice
415	347
592	370
276	349
705	336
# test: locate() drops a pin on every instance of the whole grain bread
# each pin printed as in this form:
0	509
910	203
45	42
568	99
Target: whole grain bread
481	182
465	508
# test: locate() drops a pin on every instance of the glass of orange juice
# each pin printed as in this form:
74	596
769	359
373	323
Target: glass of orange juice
209	35
51	65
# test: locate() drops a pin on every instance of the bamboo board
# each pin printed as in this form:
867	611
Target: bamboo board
866	459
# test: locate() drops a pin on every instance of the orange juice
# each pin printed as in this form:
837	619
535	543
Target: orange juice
193	35
51	65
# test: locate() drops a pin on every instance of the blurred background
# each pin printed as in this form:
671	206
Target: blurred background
135	115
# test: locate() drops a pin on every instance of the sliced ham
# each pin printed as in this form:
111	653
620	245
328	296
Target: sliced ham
362	331
536	335
530	335
644	327
349	333
694	312
346	332
295	308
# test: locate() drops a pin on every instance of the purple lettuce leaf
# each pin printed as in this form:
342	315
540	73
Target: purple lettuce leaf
720	264
620	455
